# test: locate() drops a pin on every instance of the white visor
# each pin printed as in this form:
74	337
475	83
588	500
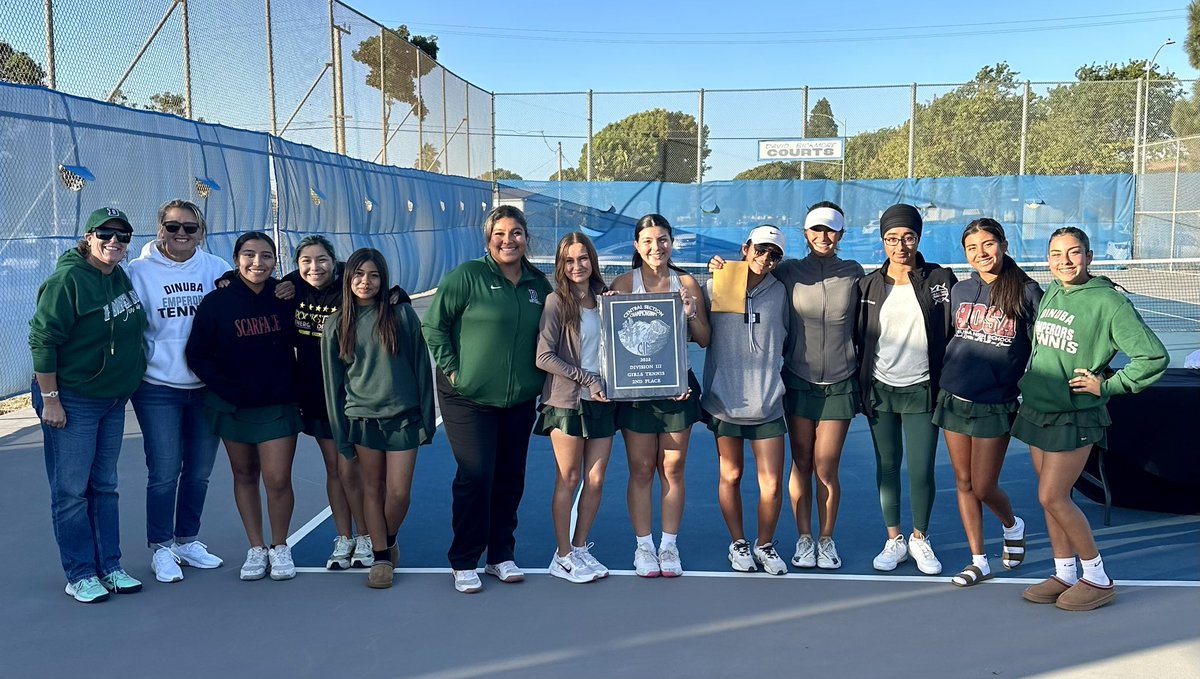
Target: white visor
825	216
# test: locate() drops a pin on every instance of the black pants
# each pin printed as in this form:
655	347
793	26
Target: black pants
490	445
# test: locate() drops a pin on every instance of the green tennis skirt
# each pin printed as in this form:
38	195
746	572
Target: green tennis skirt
913	399
837	401
404	432
980	420
1062	432
661	416
591	420
750	432
317	428
251	425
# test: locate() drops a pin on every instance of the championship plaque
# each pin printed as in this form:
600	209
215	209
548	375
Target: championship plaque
643	346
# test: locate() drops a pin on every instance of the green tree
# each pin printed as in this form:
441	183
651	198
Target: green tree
406	58
778	169
1088	127
19	67
428	159
653	145
1191	45
499	174
166	102
821	122
568	174
1185	117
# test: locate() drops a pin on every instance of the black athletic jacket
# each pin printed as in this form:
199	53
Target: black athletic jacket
932	283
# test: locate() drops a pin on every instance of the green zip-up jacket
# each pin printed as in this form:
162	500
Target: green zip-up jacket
1084	326
88	329
484	329
376	385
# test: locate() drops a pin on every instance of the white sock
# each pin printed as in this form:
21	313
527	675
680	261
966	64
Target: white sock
1093	572
980	561
668	539
1064	569
646	540
1015	531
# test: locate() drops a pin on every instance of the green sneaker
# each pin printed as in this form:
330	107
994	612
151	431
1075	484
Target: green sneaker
87	590
121	582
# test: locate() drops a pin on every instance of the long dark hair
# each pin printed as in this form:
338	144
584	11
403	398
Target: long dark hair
1008	290
315	239
653	219
385	319
1075	232
562	285
510	212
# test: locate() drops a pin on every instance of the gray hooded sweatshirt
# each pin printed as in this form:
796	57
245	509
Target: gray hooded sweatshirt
742	382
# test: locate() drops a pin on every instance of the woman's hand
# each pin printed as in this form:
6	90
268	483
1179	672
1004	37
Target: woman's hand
685	396
597	394
53	414
1086	382
689	304
717	262
285	290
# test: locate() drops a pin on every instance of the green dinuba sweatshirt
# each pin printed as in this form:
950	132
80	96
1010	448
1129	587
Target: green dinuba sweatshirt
375	385
88	328
484	329
1084	326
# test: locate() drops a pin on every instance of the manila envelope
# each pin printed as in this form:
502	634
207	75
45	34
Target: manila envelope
729	288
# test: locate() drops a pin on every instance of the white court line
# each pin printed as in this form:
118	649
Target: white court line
325	514
788	576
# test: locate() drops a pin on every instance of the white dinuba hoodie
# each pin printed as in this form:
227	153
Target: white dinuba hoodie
170	292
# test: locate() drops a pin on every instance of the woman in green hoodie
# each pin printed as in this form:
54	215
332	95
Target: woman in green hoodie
1082	323
86	340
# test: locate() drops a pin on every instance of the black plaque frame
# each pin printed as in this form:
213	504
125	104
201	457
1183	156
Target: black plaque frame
643	346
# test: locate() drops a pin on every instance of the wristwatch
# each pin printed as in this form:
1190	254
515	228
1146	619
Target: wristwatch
50	394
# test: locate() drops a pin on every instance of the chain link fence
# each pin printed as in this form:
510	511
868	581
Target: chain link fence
311	71
992	126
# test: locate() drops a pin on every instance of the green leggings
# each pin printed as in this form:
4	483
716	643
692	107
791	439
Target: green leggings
921	435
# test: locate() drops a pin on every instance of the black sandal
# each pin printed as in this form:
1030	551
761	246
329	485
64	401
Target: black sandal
971	575
1014	553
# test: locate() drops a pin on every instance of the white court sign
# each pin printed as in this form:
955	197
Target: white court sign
830	148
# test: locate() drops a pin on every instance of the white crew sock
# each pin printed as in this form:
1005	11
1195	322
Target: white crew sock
1064	569
980	561
1015	531
646	540
668	539
1093	572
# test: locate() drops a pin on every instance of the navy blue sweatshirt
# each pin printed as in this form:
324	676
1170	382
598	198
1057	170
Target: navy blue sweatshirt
241	345
989	351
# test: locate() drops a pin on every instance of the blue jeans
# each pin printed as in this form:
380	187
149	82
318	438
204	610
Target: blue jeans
180	451
81	465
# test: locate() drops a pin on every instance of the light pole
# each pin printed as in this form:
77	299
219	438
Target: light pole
1146	115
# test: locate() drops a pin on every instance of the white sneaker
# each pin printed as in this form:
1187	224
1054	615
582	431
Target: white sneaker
584	553
645	562
343	548
739	557
255	567
769	558
570	568
668	561
806	553
827	554
922	553
507	571
364	552
282	566
196	555
894	552
467	582
165	565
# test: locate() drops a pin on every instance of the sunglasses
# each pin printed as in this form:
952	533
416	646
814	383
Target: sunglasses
189	227
772	254
122	236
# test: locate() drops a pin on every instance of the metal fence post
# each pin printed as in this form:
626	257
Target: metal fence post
1138	150
912	132
493	99
700	140
187	59
589	137
1174	204
1024	127
270	69
803	128
335	59
467	118
383	97
445	128
51	76
421	109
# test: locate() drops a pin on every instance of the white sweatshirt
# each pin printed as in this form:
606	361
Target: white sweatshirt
170	292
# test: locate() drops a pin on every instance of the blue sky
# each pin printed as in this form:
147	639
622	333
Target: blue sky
622	45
